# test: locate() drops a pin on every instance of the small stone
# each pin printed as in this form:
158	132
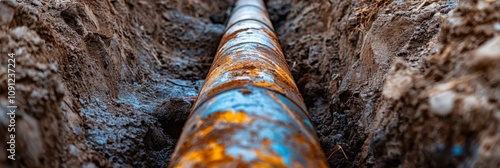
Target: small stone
496	26
442	103
488	54
36	3
89	165
74	150
6	13
397	85
19	32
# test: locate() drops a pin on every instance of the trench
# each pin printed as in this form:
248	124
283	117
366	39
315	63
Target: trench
107	82
133	102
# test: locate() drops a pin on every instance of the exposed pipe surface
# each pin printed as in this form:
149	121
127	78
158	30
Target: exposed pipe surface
249	112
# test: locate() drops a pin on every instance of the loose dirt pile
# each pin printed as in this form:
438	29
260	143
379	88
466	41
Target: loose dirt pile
395	83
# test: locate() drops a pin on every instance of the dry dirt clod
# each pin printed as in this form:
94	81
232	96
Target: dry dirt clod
442	103
7	11
488	54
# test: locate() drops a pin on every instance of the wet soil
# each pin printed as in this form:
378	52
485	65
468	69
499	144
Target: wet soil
395	83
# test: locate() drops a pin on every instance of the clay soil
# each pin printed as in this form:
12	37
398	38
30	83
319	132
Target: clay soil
109	83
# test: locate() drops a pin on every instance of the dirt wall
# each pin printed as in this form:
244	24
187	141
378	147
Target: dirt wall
379	74
394	83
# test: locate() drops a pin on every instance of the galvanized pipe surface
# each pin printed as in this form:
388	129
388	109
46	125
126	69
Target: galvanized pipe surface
249	112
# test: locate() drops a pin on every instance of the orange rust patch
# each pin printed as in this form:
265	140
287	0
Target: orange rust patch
245	91
275	161
212	154
272	86
199	123
203	132
230	117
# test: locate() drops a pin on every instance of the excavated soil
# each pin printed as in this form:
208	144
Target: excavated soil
394	83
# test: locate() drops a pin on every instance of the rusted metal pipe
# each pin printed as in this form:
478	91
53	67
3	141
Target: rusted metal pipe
249	112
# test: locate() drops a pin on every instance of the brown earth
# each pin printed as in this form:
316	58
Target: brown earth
395	83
